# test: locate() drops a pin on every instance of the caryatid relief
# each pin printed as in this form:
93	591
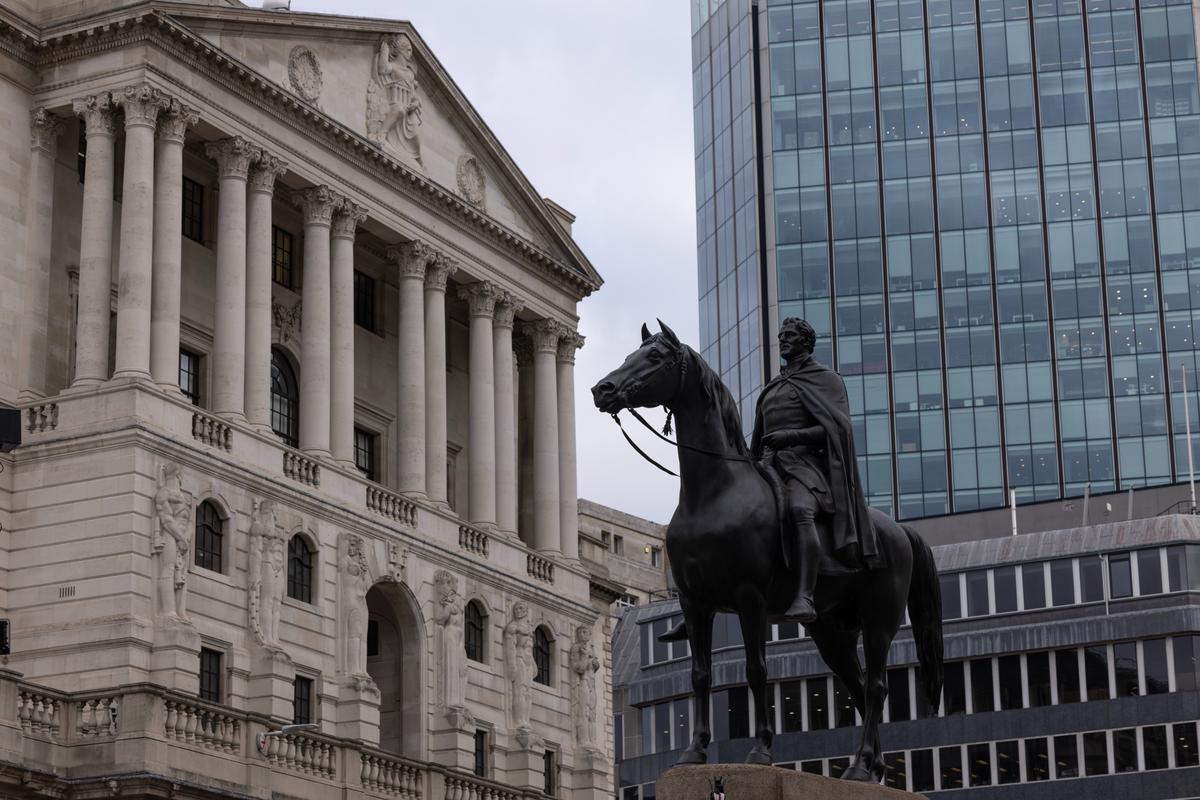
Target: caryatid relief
448	608
268	561
356	580
393	107
172	542
584	666
518	658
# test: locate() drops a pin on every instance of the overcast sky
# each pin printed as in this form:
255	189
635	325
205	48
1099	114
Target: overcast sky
593	102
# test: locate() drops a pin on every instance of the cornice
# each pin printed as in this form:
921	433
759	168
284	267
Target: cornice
151	26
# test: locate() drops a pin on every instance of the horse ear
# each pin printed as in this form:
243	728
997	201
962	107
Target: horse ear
670	334
645	332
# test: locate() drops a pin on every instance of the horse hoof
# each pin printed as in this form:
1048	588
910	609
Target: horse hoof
690	756
857	773
759	756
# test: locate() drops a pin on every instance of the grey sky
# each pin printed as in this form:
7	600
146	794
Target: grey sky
593	101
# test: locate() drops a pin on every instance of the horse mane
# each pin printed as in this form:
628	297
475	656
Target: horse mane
715	389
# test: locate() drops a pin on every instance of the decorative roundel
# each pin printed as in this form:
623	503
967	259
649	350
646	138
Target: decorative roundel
304	72
471	181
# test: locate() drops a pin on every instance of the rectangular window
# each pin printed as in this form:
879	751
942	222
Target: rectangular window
210	675
951	601
81	152
1186	754
1176	568
302	697
1062	582
682	720
618	545
618	738
372	638
1091	582
899	707
1154	657
1005	580
979	762
818	704
1033	581
365	451
813	767
1095	669
1149	572
1037	665
1120	576
481	753
1037	760
1125	757
1186	649
1010	682
1066	757
981	686
897	770
1008	762
920	766
1067	669
364	301
954	689
189	375
1125	668
662	727
550	773
792	706
951	762
193	210
731	714
1154	747
282	251
977	593
843	706
1095	753
655	556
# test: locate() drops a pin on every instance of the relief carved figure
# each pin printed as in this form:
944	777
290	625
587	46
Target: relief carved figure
172	543
584	666
356	580
518	658
393	107
448	608
268	562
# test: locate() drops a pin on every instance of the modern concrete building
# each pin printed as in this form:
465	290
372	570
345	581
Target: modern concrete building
292	342
1071	671
987	208
628	550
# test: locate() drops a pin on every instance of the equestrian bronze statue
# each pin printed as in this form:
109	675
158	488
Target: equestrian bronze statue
780	531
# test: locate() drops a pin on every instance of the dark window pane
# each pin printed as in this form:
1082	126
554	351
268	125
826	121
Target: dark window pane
474	623
372	638
1186	754
282	249
1149	572
788	630
1033	582
662	727
1062	582
300	567
541	656
1095	668
364	301
1066	757
193	210
285	399
737	719
480	754
1005	579
1154	747
979	762
1037	760
1125	668
1120	578
1154	656
210	675
210	535
951	762
977	593
897	770
1091	583
1008	762
1067	669
818	704
1095	753
1125	750
843	705
790	692
550	773
1037	665
1177	568
189	376
981	686
1010	681
662	650
302	701
920	766
838	765
364	453
951	602
899	707
954	689
682	720
813	767
1186	649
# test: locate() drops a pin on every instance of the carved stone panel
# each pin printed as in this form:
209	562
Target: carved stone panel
393	98
304	73
171	544
472	184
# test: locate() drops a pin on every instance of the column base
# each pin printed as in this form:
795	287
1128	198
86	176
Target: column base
346	463
317	454
133	376
170	388
236	417
84	384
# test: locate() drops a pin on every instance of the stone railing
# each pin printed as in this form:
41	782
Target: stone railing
303	753
39	712
96	717
41	417
300	467
212	431
388	774
391	505
473	540
540	568
468	787
201	725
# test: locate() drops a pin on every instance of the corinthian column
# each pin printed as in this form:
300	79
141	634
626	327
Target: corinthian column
233	157
436	275
568	491
546	508
44	130
481	404
166	288
412	259
261	187
345	223
95	241
318	204
141	104
506	427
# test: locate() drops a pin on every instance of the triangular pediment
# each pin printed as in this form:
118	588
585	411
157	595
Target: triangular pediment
379	79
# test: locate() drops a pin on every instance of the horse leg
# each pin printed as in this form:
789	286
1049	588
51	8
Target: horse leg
868	763
839	649
753	619
699	623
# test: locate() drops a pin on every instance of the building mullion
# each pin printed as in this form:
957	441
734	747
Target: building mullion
833	325
758	16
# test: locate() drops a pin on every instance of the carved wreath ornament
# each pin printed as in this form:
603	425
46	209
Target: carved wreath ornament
304	73
471	182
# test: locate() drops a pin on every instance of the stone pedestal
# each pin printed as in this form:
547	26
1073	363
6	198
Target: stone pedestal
175	659
452	739
270	687
526	762
358	712
752	782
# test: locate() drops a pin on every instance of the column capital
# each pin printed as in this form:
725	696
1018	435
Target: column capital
317	203
44	129
412	258
142	104
507	308
346	218
99	114
176	118
481	296
233	156
265	170
523	352
439	271
543	335
569	341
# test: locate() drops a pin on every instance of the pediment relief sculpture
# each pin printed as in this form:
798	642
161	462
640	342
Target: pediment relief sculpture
393	104
471	181
304	74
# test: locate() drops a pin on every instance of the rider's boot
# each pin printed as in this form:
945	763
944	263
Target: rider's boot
808	553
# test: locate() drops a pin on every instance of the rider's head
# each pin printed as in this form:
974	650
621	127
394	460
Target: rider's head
805	335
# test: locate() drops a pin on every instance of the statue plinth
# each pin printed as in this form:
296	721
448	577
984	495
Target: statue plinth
754	782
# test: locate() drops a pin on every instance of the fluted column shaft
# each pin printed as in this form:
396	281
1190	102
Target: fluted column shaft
141	105
341	341
506	423
39	235
167	285
481	404
436	276
412	259
233	157
259	214
318	204
568	490
95	242
546	508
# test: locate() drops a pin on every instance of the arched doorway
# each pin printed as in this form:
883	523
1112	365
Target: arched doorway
394	644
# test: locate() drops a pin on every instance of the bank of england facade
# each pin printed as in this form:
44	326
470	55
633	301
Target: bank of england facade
292	342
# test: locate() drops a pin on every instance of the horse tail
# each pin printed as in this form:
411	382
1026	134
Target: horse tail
925	611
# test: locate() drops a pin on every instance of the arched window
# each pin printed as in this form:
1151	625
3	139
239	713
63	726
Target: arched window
541	656
473	630
210	535
300	570
285	399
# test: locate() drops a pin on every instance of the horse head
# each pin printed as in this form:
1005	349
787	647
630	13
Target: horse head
650	376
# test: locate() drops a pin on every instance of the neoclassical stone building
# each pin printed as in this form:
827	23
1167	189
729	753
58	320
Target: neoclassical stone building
292	340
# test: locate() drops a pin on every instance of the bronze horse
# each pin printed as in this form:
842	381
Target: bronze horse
724	547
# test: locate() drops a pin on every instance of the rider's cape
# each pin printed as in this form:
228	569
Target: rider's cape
824	395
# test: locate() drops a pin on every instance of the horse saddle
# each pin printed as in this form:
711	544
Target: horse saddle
830	564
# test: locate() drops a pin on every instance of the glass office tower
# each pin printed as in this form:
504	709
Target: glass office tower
989	211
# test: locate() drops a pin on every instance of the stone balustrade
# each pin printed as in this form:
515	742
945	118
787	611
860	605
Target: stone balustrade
391	775
39	713
212	431
97	717
202	725
303	753
391	505
300	467
469	787
473	540
539	568
41	417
